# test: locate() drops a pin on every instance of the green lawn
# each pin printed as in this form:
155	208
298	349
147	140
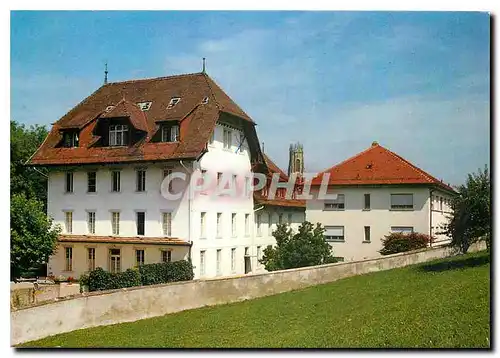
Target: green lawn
443	303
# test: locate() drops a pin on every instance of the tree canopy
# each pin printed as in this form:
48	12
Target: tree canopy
471	218
306	247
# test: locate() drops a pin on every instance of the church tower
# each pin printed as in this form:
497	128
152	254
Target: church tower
296	159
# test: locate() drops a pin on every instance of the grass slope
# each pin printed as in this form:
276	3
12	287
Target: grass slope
444	303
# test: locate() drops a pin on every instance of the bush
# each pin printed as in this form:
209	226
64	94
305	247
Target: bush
165	272
151	274
400	242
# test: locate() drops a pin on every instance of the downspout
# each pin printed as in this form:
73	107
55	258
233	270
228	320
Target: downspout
430	214
189	210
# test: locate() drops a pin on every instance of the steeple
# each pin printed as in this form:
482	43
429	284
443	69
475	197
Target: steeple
106	73
296	159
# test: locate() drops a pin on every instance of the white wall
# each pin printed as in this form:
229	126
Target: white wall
380	218
440	215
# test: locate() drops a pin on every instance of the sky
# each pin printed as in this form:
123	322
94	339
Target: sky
416	82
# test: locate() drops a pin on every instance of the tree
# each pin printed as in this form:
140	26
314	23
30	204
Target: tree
32	235
25	179
307	247
471	218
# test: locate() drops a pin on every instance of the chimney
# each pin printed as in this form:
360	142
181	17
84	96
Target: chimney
374	143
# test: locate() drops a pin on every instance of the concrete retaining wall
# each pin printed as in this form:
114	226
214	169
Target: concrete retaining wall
131	304
25	294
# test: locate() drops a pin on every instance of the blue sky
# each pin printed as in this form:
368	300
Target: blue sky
416	82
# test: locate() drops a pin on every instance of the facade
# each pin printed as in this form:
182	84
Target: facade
372	194
110	162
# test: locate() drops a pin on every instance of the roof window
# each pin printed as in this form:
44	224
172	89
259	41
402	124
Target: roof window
173	102
109	108
144	106
205	100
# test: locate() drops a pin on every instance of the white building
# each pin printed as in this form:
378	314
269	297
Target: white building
107	161
373	193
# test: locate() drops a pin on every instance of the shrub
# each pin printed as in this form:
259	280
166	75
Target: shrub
150	274
165	272
400	242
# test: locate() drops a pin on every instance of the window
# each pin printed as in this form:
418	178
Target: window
219	224
166	173
139	257
203	229
141	180
401	201
227	138
241	143
441	203
91	222
290	218
166	256
233	225
280	219
205	100
68	215
219	257
259	254
336	204
69	182
233	260
91	258
167	224
68	264
115	181
235	179
367	234
114	260
173	102
115	222
202	263
170	133
432	202
258	220
367	202
144	106
219	179
141	222
247	224
334	233
70	139
269	224
174	133
118	134
402	229
91	182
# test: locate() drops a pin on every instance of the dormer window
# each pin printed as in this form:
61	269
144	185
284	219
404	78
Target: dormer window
173	102
144	106
118	135
170	133
70	139
109	109
205	100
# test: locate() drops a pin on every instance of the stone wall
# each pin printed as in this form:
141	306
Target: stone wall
131	304
25	294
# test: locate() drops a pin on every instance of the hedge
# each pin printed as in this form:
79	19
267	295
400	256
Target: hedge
400	242
99	279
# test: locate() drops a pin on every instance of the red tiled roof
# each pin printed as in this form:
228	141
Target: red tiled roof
197	120
377	165
123	240
273	168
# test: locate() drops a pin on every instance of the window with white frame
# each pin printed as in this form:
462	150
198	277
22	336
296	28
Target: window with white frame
227	136
173	102
202	263
91	182
233	260
241	144
259	255
114	260
166	256
91	258
233	225
258	219
69	182
219	180
402	229
218	262
219	224
367	234
174	133
115	222
401	201
68	220
139	257
367	203
247	224
118	134
203	225
336	204
115	181
167	224
141	180
68	264
91	222
334	233
166	173
141	223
